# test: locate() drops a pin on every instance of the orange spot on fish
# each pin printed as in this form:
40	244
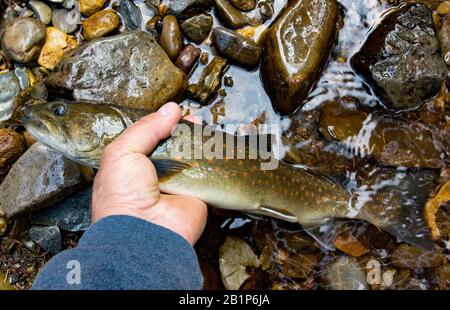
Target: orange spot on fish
244	174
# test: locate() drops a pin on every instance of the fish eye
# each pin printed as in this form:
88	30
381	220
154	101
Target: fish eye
59	109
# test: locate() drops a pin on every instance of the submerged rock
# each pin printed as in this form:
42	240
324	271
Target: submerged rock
401	58
12	146
100	24
236	47
71	214
197	28
48	238
57	44
3	226
187	8
38	179
171	40
444	36
23	39
89	7
209	82
345	274
131	14
147	78
407	256
235	256
295	49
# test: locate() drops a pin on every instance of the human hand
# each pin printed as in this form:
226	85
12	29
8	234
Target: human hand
127	182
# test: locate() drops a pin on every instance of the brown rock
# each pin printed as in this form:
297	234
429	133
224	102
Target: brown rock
56	45
40	178
23	39
407	256
188	58
12	146
350	245
100	24
89	7
29	139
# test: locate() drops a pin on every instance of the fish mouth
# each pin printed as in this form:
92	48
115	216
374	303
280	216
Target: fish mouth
44	130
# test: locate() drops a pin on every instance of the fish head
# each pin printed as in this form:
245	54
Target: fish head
79	130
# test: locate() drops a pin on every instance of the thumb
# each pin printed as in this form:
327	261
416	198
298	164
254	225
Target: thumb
144	135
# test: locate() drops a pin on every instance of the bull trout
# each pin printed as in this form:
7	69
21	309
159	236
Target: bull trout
82	130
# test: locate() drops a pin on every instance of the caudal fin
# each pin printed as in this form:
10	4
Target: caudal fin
396	205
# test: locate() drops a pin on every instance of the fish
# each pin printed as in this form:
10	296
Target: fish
82	130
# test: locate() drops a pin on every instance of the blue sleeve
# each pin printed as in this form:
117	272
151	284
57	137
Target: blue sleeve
123	252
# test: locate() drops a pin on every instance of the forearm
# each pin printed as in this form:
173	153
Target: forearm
122	252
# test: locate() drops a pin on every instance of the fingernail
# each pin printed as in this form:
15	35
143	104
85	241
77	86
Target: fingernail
166	109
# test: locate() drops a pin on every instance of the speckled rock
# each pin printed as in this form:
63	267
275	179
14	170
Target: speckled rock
48	238
57	44
23	39
9	89
40	178
89	7
146	72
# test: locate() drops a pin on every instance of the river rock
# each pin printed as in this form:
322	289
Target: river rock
345	274
236	47
57	44
40	178
295	49
71	214
209	82
42	11
100	24
9	89
131	14
48	238
67	21
171	40
401	58
197	28
188	58
407	256
12	146
23	39
89	7
187	8
146	72
228	15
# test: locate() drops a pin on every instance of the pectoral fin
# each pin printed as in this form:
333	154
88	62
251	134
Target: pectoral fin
277	214
167	168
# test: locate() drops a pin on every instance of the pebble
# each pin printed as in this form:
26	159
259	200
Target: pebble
40	178
100	24
444	8
48	238
197	28
171	40
12	146
131	14
56	45
9	89
90	7
42	11
3	226
23	39
67	21
188	58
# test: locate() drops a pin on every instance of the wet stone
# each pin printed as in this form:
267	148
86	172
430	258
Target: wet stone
67	21
48	238
244	5
235	47
444	37
57	44
197	28
188	58
12	146
89	7
209	82
23	39
295	49
131	14
147	73
171	40
406	256
154	26
42	11
401	58
9	89
40	178
100	24
229	15
71	214
187	8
